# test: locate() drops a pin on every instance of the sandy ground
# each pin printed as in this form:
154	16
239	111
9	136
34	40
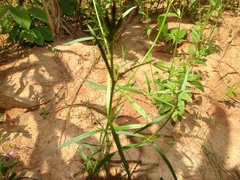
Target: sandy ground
207	141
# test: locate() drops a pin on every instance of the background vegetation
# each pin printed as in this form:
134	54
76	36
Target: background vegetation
38	21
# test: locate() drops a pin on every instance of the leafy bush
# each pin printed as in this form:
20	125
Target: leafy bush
25	25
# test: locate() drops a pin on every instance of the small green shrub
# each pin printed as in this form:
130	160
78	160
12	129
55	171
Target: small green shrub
25	25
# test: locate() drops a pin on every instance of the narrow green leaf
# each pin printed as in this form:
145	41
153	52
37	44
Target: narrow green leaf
38	14
128	127
10	164
78	138
101	49
120	150
116	115
138	108
128	11
103	161
154	121
131	134
166	160
20	15
169	15
6	25
148	83
94	85
130	89
108	100
79	40
164	100
134	145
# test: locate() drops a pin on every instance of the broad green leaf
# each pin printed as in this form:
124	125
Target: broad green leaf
138	108
181	107
163	25
191	50
29	35
46	33
38	38
6	25
20	15
79	138
187	97
79	40
175	115
4	10
197	84
67	7
195	36
38	14
166	160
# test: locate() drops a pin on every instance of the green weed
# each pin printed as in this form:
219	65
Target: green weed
6	171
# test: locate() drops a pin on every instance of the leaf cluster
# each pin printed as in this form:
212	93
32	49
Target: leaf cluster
25	25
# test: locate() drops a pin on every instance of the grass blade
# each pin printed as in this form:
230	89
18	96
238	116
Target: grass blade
94	85
129	127
78	138
120	150
165	159
148	83
138	108
155	121
79	40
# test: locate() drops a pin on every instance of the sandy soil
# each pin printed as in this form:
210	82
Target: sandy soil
207	141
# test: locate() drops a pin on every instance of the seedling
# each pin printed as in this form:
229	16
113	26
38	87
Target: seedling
44	112
172	36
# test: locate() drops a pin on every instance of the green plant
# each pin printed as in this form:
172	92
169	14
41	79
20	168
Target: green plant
172	36
231	92
21	25
102	152
6	173
44	112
